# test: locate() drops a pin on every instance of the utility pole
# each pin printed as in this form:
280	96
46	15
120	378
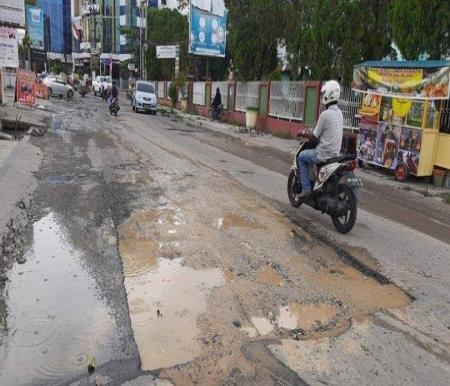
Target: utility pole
142	39
93	29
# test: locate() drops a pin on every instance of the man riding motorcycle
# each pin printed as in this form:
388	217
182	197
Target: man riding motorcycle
327	134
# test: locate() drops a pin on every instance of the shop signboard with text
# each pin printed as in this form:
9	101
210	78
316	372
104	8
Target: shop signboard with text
9	52
412	83
166	52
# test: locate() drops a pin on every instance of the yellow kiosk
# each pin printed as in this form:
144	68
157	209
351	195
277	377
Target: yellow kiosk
405	118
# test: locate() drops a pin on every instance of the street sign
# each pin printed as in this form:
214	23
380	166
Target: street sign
131	66
166	52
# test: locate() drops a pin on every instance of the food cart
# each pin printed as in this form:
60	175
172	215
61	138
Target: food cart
401	123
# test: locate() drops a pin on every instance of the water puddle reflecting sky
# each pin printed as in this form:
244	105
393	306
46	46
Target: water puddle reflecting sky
55	318
165	298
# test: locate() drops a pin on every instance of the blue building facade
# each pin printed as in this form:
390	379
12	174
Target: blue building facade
57	25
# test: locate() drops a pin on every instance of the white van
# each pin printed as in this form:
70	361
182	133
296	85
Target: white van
144	97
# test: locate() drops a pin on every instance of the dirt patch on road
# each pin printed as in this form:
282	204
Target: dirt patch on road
268	275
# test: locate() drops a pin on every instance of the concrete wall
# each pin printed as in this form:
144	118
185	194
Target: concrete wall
277	126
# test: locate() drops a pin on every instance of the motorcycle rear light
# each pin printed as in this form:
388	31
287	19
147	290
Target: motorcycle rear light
351	165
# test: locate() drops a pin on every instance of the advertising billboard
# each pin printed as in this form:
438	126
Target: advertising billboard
207	28
12	12
35	26
26	87
413	83
9	51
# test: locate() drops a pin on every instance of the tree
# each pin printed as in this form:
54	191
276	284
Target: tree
421	27
326	38
166	26
133	48
254	31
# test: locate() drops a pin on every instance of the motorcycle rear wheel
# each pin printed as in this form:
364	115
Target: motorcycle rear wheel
345	224
294	190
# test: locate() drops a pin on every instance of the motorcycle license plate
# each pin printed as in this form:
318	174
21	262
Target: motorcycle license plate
354	182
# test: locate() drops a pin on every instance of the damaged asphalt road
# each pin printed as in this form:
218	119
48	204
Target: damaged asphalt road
166	260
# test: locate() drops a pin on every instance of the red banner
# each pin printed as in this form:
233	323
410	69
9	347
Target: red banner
41	91
26	87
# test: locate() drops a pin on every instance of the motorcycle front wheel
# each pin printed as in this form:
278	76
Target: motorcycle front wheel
345	224
294	190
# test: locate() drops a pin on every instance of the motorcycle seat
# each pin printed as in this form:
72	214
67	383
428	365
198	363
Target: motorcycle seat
339	159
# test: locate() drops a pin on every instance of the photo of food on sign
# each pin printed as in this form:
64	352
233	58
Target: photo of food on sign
367	144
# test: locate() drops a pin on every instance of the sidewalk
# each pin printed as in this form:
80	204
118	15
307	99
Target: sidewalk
25	116
379	176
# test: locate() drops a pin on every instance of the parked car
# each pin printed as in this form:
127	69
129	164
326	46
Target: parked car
144	97
58	87
100	81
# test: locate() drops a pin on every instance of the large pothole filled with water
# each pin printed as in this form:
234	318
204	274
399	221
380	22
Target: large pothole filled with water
56	321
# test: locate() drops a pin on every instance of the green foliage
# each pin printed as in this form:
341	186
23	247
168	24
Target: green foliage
55	66
326	38
254	30
275	76
173	93
132	38
421	27
166	26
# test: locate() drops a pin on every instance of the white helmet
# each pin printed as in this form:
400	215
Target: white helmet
330	92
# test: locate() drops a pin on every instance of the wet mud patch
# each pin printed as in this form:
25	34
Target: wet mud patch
53	336
164	305
165	298
363	294
268	275
230	220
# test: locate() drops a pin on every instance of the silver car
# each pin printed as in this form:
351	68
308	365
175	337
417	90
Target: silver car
144	97
57	87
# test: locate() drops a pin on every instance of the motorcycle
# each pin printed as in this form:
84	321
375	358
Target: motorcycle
82	90
104	93
335	189
130	94
114	107
216	114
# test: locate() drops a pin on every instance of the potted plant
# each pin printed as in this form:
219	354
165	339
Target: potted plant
251	114
181	82
173	93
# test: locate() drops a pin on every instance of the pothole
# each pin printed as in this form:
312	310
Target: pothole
55	320
164	304
235	220
165	298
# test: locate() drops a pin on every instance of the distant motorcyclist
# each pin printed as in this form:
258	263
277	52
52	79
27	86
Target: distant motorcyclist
327	134
113	93
216	103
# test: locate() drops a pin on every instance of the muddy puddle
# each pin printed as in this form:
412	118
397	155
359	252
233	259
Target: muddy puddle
165	298
361	293
235	220
306	316
55	319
